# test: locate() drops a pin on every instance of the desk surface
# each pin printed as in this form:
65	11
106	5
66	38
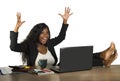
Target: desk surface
95	74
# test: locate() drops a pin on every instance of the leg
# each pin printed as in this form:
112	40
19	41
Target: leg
97	61
105	57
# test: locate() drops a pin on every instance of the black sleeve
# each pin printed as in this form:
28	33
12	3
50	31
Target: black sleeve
61	36
14	46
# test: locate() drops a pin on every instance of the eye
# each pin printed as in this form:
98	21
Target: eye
42	32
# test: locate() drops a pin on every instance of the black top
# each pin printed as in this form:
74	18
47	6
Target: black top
31	48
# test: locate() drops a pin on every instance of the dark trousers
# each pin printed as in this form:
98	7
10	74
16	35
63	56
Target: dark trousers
97	61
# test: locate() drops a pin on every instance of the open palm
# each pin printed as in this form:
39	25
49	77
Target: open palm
19	22
66	14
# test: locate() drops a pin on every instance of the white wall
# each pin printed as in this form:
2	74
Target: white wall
94	22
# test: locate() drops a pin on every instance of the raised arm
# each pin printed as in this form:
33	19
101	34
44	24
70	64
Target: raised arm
63	30
14	46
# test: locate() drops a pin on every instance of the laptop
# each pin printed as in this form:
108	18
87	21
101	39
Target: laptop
74	59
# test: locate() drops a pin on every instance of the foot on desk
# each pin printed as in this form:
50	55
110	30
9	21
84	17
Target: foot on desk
108	62
106	54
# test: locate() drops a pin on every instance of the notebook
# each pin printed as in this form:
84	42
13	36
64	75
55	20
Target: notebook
74	59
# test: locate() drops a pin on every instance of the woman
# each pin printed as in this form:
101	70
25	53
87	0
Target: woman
39	45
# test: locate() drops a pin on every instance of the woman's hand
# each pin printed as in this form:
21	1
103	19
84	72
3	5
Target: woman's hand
66	15
19	22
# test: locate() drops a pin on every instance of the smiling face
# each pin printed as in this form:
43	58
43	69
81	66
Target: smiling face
44	36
